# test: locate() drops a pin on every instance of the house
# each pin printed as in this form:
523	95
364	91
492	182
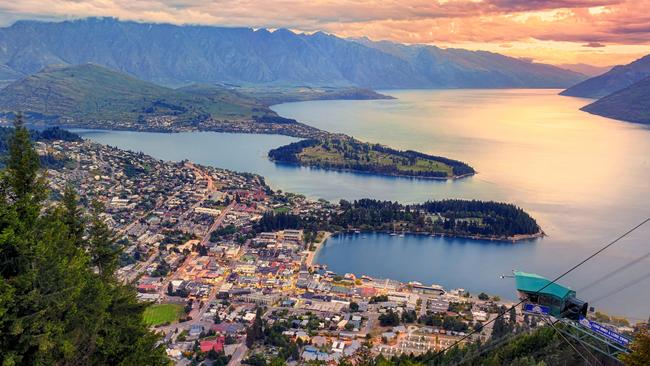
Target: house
311	353
302	335
389	337
479	315
215	344
195	330
147	288
228	328
319	341
338	346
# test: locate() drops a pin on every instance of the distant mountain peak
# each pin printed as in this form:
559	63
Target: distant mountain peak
630	104
618	78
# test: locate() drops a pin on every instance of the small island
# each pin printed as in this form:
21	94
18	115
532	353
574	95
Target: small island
341	152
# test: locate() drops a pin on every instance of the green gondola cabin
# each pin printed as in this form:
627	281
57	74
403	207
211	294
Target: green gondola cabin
557	300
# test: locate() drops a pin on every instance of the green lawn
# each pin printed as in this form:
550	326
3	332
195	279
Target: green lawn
162	313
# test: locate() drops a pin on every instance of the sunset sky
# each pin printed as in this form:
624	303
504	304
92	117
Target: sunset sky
597	32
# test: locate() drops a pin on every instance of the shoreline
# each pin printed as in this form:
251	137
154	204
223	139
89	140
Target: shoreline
376	174
309	261
512	239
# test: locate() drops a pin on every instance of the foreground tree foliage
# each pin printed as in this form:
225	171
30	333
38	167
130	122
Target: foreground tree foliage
60	303
640	348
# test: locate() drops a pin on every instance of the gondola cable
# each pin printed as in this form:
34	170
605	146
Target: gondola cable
614	272
619	238
624	287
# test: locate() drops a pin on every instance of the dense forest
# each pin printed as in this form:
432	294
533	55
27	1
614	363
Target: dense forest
452	217
350	154
49	134
60	302
274	119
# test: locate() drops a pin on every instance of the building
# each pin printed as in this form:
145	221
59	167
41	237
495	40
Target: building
207	211
261	299
215	344
428	290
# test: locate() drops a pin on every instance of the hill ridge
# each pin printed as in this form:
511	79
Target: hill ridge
618	78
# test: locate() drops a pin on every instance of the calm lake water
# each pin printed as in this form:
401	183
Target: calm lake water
584	178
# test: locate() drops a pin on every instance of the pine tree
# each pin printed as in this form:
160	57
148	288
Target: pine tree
27	185
255	332
54	309
73	216
103	249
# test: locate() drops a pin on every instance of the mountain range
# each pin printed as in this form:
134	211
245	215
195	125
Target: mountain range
174	55
586	69
623	92
631	104
618	78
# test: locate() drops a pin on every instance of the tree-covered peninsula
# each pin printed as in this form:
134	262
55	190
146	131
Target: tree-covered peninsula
463	218
345	153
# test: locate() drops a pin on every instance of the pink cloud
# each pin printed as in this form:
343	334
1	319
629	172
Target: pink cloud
583	22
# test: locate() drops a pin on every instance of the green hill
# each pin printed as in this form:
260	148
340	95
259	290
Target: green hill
92	96
631	104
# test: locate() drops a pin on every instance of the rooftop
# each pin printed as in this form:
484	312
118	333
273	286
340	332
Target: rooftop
531	282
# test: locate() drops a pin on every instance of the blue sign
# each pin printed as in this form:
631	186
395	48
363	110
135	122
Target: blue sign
536	309
605	332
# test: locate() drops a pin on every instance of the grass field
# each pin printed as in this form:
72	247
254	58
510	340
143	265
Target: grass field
162	313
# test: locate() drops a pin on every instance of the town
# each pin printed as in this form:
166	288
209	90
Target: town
224	290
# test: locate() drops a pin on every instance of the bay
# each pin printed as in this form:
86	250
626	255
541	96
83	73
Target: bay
583	177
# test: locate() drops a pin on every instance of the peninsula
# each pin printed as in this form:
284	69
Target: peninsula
97	97
474	219
346	153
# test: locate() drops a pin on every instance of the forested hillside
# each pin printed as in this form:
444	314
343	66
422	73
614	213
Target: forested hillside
453	217
48	134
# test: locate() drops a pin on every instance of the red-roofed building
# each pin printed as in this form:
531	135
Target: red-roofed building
214	344
367	291
147	287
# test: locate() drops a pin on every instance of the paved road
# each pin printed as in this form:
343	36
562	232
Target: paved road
197	314
237	357
217	223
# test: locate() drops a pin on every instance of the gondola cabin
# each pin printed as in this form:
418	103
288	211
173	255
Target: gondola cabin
542	296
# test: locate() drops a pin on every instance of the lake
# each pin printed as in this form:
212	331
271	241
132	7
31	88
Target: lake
583	177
